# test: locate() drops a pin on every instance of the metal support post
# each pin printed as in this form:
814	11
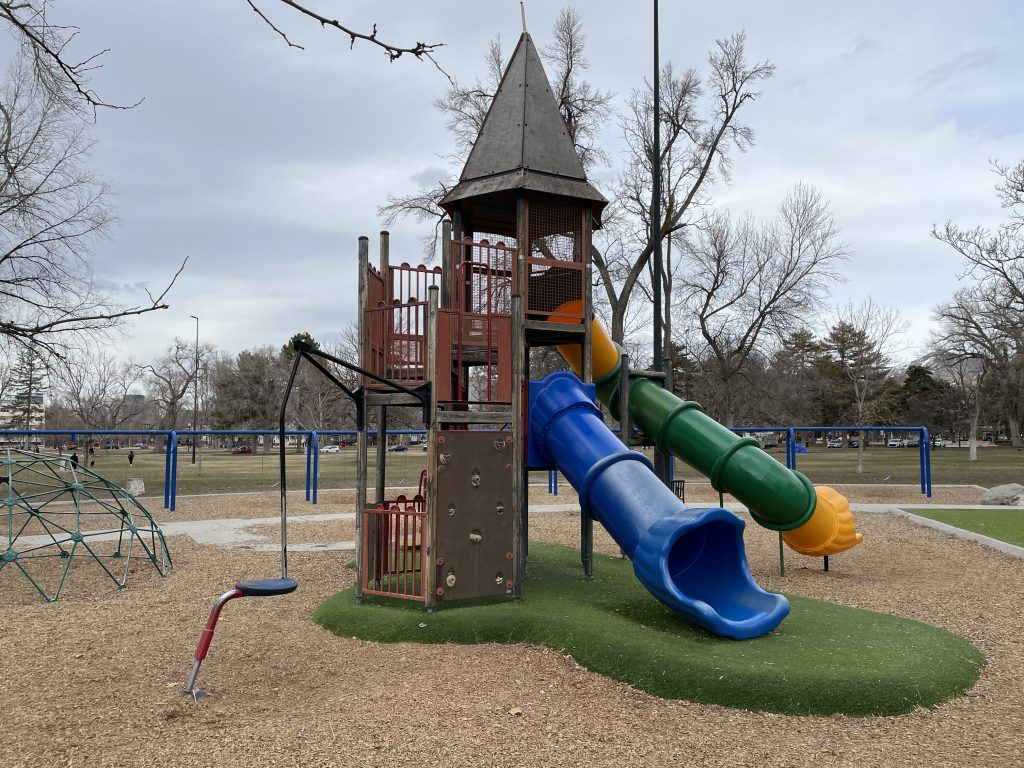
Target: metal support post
520	520
361	440
429	545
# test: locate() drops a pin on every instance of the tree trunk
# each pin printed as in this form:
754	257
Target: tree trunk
1014	431
863	432
972	440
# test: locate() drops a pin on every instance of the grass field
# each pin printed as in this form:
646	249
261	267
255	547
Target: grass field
950	466
218	471
823	659
999	522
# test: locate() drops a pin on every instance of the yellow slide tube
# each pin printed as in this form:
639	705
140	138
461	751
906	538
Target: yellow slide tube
828	531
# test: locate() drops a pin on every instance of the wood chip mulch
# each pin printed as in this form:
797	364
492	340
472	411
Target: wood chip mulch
94	679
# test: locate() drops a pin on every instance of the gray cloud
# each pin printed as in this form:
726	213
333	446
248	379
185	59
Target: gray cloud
962	65
264	164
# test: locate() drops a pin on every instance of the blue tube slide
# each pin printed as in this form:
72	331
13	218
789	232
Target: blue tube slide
692	560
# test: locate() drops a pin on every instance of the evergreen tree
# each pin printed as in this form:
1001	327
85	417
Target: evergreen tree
289	348
28	385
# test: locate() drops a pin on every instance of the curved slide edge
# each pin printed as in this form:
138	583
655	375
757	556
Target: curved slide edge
814	520
692	560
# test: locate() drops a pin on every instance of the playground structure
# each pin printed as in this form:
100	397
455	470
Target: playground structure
454	342
59	513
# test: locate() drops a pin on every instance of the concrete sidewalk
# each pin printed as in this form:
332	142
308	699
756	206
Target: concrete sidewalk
231	532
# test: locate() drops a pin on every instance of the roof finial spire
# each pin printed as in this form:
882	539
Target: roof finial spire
522	12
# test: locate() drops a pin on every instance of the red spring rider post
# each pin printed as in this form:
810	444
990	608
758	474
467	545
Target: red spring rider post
256	588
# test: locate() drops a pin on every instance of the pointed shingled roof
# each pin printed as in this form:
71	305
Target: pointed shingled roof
523	143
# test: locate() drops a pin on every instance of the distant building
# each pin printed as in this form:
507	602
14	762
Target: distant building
37	414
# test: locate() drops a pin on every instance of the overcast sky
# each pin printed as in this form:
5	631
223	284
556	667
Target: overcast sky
263	164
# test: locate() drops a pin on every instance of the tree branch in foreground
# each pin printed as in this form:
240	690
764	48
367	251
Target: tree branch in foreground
419	50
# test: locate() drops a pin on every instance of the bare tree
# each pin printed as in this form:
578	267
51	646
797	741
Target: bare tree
695	152
6	370
583	107
749	284
52	211
44	45
170	378
98	388
995	257
980	322
989	315
969	376
1011	190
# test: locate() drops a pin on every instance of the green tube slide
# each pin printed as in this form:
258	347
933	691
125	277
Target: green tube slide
778	498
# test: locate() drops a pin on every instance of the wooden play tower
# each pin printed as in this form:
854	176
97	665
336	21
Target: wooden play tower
454	342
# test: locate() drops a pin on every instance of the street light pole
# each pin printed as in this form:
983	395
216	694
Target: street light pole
661	461
195	391
656	199
860	386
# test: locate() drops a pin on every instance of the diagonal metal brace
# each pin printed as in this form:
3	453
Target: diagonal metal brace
421	392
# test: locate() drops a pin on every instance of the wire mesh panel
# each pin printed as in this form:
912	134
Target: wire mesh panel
476	334
484	276
555	265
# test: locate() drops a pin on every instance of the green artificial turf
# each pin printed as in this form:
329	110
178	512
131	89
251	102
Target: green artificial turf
823	659
999	523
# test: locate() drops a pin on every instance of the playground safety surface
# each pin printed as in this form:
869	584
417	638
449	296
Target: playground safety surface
94	678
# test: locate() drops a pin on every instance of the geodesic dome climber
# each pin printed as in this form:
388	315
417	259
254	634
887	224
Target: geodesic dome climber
58	514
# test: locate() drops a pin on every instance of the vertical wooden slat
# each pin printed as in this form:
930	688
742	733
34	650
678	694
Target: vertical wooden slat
586	521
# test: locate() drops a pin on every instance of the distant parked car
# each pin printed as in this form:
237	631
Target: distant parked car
938	442
330	449
895	442
912	442
835	442
854	442
242	449
140	445
397	448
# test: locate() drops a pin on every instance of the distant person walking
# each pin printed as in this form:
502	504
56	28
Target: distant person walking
74	460
131	457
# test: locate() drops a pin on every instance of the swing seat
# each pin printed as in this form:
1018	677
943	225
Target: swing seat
266	587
